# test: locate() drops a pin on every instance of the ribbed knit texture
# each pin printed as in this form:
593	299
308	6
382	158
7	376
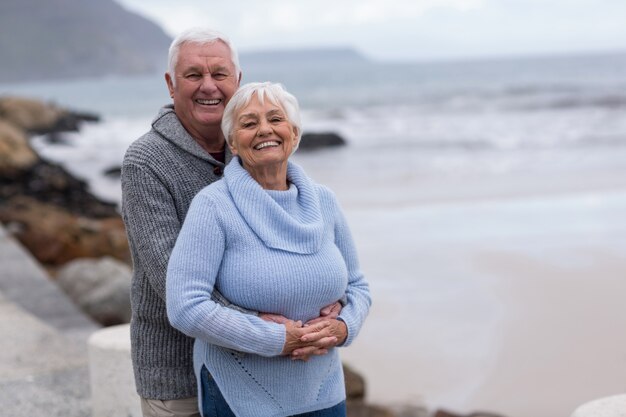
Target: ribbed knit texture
285	252
161	173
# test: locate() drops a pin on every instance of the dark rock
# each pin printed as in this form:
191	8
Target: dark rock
113	172
355	384
311	141
51	183
444	413
361	409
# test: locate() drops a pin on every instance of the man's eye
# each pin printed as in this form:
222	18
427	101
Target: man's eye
276	119
193	76
220	76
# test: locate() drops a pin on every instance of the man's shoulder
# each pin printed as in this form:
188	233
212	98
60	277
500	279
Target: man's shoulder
216	191
148	148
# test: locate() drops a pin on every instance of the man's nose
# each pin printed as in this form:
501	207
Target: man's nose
208	83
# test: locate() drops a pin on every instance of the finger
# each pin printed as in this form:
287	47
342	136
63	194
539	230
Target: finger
314	321
326	342
316	332
304	351
276	318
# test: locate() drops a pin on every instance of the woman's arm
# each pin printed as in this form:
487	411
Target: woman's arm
358	299
191	273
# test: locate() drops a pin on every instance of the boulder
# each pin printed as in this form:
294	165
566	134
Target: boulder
55	236
35	116
16	155
361	409
445	413
355	384
310	141
100	287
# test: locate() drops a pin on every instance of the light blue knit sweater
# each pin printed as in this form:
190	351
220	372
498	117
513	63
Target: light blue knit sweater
285	252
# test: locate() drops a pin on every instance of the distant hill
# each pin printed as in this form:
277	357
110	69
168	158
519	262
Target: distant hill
54	39
309	57
64	39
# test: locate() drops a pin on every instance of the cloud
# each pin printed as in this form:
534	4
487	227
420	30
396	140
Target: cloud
410	29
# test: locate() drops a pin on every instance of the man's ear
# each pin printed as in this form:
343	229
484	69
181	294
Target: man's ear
239	78
170	84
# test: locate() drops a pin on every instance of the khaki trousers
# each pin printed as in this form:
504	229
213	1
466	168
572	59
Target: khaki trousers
187	407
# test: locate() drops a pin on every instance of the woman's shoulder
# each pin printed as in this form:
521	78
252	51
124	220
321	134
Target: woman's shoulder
325	194
215	194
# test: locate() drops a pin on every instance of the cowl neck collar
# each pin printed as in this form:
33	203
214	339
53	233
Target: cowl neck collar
298	231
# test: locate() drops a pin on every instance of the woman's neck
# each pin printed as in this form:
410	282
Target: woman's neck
272	177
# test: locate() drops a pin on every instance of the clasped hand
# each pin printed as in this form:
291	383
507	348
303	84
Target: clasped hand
314	337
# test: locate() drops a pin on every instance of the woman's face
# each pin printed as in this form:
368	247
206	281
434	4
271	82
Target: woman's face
262	134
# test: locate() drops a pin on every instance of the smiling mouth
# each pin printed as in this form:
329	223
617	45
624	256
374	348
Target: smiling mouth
267	144
212	102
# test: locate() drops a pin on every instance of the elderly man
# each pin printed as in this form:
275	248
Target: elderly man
162	171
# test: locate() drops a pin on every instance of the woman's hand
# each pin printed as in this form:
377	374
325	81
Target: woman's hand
333	333
316	338
329	312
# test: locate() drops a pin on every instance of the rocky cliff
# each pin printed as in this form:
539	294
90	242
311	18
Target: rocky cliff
50	211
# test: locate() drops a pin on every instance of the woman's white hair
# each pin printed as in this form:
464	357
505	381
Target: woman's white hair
273	92
200	36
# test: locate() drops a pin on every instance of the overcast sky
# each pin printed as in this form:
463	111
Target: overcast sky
404	29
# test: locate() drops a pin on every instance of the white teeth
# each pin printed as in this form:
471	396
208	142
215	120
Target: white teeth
211	102
266	144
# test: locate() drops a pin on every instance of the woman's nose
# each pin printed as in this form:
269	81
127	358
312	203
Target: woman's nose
264	128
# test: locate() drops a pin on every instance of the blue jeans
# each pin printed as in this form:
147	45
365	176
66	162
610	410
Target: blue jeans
214	404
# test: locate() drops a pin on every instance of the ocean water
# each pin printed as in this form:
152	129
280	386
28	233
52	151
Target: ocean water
451	170
543	115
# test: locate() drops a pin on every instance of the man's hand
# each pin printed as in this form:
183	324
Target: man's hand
276	318
329	312
314	337
338	335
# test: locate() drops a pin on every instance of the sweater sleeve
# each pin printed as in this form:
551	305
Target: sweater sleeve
191	276
358	299
151	220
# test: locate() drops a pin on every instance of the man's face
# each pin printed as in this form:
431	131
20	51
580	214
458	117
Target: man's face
205	81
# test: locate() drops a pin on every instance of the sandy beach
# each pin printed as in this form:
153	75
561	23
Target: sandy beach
501	293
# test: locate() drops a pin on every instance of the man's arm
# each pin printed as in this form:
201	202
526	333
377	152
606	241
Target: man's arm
152	222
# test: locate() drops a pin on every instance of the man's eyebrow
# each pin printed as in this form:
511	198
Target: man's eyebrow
220	67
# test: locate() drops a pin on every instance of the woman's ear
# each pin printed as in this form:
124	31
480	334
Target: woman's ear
233	149
295	134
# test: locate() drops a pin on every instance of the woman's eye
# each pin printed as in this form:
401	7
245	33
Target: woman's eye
248	125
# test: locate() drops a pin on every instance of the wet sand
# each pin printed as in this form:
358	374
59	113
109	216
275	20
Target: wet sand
509	305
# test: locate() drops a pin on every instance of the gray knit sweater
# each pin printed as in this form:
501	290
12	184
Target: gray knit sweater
162	171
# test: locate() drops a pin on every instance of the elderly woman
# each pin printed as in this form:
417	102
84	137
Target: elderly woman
269	239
